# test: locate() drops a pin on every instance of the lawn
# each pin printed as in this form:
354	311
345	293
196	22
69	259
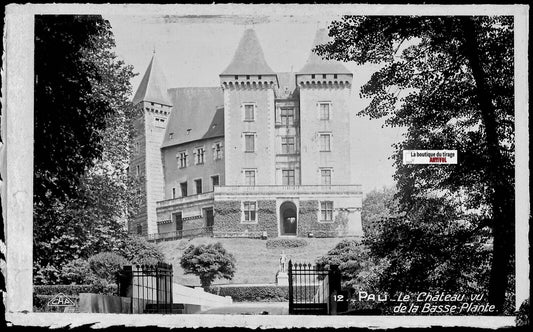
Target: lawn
255	263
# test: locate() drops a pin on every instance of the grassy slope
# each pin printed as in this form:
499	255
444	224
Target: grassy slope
255	263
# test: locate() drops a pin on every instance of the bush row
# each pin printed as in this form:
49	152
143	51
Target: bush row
253	293
53	290
285	243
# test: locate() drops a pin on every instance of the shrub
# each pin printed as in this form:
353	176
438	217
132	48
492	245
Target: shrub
53	290
139	251
285	243
208	262
77	272
105	266
253	293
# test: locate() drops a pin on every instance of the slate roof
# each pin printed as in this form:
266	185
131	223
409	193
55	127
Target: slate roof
287	86
153	86
248	58
197	113
316	65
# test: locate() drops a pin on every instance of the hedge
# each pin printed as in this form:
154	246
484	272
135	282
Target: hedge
74	289
285	243
270	293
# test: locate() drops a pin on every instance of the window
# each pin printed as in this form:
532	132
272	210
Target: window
236	77
138	169
198	185
326	211
325	177
250	211
199	156
249	177
139	229
287	116
247	77
217	151
160	122
173	193
249	142
324	75
137	147
182	159
325	142
249	112
288	145
313	76
335	76
324	111
288	177
215	181
259	77
183	187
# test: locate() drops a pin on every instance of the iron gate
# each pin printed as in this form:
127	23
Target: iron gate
312	289
148	286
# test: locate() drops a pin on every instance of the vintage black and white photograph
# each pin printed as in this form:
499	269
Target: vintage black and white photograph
187	163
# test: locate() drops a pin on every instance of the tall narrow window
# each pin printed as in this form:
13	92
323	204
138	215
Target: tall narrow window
183	187
325	142
138	170
324	111
249	112
288	145
287	116
249	210
249	177
217	151
198	185
139	229
325	176
173	193
249	142
182	159
288	177
326	211
215	181
199	155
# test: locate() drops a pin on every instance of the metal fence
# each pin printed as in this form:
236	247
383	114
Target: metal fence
312	289
182	234
148	286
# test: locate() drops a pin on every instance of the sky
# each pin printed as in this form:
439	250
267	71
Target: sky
194	50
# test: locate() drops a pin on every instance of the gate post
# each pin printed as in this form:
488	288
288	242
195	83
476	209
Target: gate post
334	288
291	289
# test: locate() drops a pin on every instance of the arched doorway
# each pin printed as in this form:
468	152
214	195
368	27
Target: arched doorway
288	218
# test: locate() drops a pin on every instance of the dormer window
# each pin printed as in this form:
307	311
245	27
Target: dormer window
170	135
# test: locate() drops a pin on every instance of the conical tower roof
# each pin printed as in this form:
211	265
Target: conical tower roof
316	65
249	58
153	87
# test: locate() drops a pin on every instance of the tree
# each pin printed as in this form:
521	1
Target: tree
82	192
449	81
208	262
378	205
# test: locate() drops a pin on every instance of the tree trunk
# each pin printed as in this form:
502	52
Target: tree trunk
502	197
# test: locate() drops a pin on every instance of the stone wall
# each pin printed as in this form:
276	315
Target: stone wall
308	221
228	219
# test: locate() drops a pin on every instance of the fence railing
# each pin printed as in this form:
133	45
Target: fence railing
312	289
176	235
148	286
283	189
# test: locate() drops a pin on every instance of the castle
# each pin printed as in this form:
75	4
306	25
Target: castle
263	154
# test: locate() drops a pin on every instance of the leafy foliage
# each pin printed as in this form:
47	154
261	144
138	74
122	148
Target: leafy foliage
285	243
208	262
267	293
378	205
141	252
354	262
449	81
82	192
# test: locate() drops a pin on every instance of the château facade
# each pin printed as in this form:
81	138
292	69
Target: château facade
265	153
